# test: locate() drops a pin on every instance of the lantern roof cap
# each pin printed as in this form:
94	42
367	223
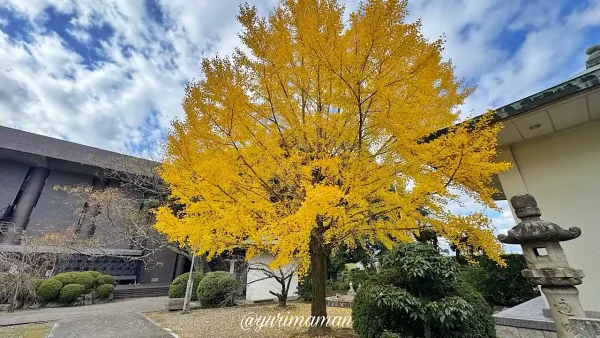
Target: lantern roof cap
532	229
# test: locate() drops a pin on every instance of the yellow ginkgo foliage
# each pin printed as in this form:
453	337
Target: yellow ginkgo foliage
313	134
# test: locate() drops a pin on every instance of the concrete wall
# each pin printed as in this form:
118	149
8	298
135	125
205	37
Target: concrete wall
12	175
562	171
56	210
256	291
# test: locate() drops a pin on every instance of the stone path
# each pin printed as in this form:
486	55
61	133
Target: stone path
121	318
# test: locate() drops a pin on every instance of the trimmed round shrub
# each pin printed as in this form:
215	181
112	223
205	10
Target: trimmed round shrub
49	289
66	277
85	279
70	292
94	274
36	282
104	291
217	289
104	279
179	284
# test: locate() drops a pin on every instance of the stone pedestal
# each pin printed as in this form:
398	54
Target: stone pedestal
547	263
585	327
564	305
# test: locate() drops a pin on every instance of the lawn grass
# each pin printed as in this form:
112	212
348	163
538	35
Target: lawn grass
226	322
26	330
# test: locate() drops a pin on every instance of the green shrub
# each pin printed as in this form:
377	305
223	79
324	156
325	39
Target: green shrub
104	279
418	287
85	279
66	277
480	323
505	286
305	288
37	282
179	284
104	291
217	289
70	292
474	276
94	274
49	289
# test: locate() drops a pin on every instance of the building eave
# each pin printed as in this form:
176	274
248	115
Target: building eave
580	83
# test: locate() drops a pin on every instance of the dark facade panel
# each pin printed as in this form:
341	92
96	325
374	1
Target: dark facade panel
114	233
56	210
12	175
160	269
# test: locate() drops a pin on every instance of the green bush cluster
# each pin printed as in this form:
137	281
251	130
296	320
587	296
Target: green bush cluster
49	289
217	289
70	292
501	286
67	286
104	279
104	291
419	287
179	285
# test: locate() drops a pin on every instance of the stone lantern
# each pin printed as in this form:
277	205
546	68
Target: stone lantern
547	264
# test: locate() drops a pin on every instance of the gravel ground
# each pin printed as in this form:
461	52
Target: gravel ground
227	322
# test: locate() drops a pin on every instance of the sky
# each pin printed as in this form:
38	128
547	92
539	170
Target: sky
110	73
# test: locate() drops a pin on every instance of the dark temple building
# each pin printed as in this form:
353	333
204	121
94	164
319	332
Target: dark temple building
31	166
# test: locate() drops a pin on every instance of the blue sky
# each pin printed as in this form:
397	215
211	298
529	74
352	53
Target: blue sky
110	74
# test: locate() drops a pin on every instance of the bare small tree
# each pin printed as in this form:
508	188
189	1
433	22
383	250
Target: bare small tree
283	276
117	212
23	265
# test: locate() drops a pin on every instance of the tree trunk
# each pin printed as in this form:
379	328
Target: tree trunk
318	309
284	293
427	329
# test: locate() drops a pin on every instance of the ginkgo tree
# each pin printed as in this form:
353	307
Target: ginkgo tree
314	134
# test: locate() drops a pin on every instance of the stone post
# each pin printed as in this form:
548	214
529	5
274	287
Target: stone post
547	264
29	197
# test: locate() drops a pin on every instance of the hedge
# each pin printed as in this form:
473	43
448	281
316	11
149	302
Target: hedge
104	291
217	289
66	277
501	286
179	285
70	292
94	274
85	278
104	279
49	289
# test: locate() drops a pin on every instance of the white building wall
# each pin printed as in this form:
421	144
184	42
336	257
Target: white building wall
257	289
562	171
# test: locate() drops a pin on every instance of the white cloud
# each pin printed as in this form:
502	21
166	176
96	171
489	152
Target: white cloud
49	89
509	49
